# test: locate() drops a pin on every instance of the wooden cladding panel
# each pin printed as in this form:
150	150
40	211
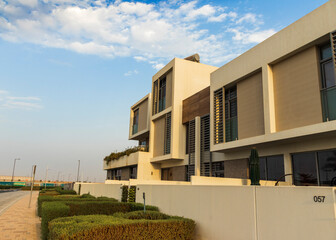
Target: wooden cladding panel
196	105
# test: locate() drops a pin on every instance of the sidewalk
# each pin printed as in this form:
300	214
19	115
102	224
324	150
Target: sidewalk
20	222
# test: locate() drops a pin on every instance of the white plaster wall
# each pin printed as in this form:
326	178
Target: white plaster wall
248	212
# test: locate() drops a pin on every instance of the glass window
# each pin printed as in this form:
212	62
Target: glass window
135	121
231	124
304	169
187	139
326	52
218	169
162	94
271	168
327	167
328	75
263	169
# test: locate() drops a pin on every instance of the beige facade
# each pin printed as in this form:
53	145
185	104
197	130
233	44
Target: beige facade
296	84
277	106
250	107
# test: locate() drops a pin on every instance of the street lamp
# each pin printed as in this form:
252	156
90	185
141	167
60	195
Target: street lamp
78	170
14	168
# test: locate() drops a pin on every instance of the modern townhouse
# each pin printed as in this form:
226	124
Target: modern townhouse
156	123
278	97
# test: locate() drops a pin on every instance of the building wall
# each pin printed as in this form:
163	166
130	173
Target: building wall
143	115
250	107
174	173
297	91
169	82
159	129
248	212
196	106
236	168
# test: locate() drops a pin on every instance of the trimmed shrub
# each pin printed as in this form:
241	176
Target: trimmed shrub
52	210
67	192
149	215
101	227
124	194
132	194
87	195
67	198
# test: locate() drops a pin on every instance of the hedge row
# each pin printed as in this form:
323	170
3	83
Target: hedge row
48	198
56	209
101	227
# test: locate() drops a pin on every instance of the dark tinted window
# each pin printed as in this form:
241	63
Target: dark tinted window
304	169
326	52
262	164
327	167
271	168
328	74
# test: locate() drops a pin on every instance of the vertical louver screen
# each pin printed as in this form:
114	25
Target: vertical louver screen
205	146
333	47
218	116
167	134
191	150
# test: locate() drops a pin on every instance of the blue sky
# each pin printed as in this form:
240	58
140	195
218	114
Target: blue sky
70	70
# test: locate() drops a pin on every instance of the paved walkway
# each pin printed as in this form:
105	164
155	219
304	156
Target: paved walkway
20	222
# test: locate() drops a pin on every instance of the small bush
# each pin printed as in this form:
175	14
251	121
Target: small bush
52	210
132	194
67	192
101	227
27	188
124	194
87	195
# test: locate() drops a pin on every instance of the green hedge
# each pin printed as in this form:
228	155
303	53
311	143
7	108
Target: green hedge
124	194
68	198
56	209
102	227
132	194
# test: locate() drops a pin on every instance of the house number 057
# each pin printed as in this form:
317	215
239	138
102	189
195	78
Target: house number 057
319	199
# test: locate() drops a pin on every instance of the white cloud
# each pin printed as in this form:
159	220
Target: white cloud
147	32
12	102
249	37
130	73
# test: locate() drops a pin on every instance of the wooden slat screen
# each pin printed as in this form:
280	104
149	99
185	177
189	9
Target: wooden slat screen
218	116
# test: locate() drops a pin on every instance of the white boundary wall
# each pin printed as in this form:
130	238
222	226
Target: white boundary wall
237	212
249	212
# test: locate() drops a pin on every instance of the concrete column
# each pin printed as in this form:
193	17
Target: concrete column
288	167
268	99
197	146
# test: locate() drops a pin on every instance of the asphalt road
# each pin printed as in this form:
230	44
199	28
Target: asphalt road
7	199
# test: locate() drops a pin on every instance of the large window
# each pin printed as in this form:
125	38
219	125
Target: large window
272	167
162	94
159	95
315	168
231	124
328	92
218	169
135	121
133	171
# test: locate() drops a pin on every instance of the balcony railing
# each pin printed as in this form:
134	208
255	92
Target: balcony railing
328	96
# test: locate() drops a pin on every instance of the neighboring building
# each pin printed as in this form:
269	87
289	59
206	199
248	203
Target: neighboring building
156	122
279	97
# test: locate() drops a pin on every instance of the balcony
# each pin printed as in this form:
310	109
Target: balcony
328	97
127	160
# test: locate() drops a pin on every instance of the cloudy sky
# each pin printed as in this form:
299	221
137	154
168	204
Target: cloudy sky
70	69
